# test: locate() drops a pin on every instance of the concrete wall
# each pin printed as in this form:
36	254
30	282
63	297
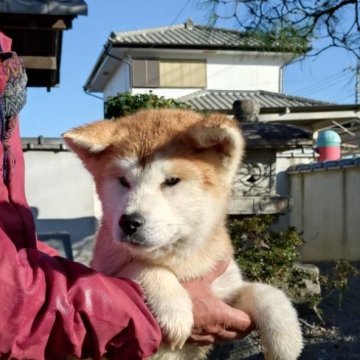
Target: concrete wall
61	193
325	204
326	208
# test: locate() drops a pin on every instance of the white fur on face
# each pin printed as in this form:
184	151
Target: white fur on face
173	215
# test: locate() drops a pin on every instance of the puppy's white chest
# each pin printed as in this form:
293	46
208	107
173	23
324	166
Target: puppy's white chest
225	285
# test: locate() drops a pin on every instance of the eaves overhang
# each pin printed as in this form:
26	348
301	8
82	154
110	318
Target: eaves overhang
104	66
113	53
313	117
205	47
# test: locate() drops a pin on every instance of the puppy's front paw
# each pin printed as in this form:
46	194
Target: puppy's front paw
281	331
275	318
169	302
176	321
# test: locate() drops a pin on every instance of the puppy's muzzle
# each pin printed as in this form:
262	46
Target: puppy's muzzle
131	223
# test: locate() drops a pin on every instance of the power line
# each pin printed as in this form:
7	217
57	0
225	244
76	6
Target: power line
180	12
325	81
347	95
334	82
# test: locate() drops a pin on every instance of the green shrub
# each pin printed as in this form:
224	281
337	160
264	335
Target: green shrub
271	257
268	256
262	254
126	103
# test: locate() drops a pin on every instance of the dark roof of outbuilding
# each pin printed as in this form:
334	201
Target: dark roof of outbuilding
222	100
278	136
257	135
189	35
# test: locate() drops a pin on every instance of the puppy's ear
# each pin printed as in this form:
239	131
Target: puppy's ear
224	136
90	139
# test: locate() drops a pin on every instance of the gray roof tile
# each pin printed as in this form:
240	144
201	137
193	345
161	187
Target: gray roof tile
222	100
190	35
325	165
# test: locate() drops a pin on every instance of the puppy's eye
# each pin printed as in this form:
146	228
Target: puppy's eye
124	182
171	181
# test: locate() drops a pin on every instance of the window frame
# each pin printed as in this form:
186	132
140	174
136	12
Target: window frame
158	60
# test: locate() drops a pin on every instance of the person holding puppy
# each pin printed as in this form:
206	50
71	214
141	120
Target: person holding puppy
50	306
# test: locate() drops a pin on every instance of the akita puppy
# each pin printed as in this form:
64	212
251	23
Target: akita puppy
164	178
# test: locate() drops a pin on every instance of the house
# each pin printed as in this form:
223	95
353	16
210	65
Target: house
178	60
208	69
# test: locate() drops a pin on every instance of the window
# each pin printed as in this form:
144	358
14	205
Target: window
145	73
169	73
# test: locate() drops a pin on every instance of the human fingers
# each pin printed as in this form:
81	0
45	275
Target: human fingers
236	320
201	340
221	336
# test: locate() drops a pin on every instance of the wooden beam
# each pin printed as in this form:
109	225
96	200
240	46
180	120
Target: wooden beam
59	25
40	62
316	120
34	22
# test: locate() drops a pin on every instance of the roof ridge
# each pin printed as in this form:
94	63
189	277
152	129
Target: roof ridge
193	35
233	31
147	30
178	26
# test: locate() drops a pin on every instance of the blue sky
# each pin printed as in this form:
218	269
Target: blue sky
326	77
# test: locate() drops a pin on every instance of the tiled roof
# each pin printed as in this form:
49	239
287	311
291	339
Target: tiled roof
325	165
43	143
222	100
188	35
49	7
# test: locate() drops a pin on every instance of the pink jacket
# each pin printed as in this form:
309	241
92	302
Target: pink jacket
49	306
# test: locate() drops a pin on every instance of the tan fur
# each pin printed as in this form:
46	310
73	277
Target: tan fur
204	152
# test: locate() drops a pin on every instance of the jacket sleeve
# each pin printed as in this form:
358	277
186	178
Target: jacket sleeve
45	248
51	307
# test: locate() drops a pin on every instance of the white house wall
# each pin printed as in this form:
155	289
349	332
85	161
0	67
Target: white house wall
242	73
119	81
224	72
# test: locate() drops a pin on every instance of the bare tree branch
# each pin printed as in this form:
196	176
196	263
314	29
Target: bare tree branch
336	21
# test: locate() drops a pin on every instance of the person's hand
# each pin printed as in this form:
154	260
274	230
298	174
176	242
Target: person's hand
214	321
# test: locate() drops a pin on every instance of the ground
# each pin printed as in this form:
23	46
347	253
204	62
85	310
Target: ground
337	339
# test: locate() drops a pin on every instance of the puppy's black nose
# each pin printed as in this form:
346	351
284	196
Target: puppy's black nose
129	223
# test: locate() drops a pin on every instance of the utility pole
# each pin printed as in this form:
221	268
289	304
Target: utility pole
357	83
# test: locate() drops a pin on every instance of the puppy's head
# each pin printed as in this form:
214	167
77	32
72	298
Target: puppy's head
163	176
